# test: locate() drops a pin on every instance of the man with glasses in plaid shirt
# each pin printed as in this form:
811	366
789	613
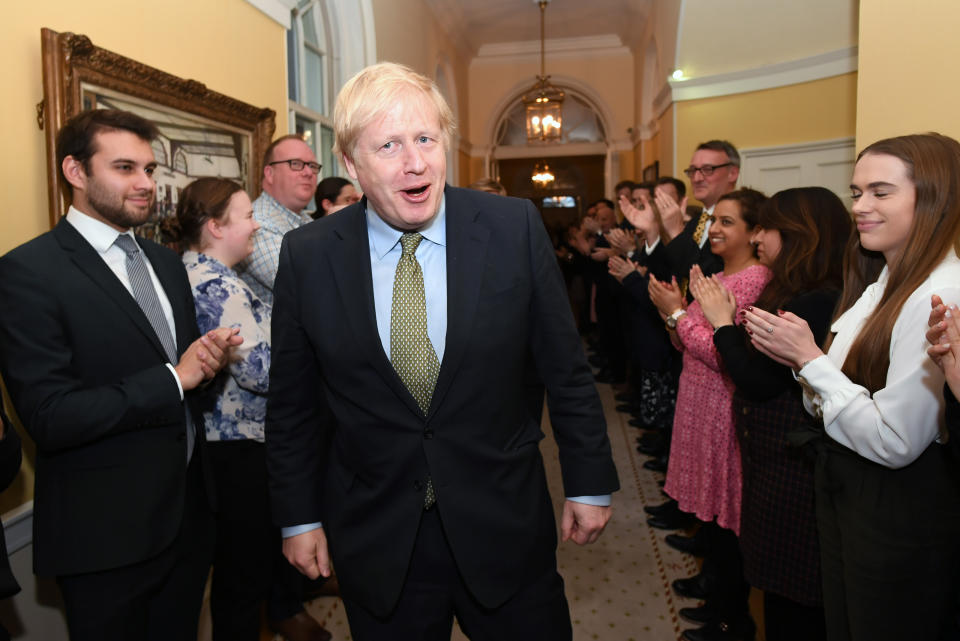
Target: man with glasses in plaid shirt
290	172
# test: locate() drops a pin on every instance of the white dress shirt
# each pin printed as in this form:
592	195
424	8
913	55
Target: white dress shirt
899	422
102	237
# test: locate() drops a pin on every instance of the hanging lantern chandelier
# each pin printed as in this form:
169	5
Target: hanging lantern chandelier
542	176
543	101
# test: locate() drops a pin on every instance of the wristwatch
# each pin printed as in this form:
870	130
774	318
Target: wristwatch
674	317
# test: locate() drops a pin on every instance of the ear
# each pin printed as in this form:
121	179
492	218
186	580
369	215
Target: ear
350	166
267	175
214	228
74	172
734	175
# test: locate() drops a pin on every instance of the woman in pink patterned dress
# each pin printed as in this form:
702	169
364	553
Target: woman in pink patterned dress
704	473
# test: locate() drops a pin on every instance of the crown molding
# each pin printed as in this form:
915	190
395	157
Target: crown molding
826	65
278	10
581	47
803	147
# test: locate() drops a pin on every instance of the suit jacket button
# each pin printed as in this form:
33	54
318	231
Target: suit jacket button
428	434
417	485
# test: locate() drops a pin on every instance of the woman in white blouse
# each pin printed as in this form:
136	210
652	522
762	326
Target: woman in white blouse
888	494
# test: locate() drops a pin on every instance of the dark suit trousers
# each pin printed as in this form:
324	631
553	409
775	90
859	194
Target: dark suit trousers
158	599
434	592
248	565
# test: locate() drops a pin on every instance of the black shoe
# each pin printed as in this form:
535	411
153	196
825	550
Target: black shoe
676	521
694	587
606	376
627	408
722	631
652	449
686	544
658	464
625	397
668	507
699	615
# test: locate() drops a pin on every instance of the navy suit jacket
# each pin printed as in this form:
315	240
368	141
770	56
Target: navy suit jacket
88	378
347	444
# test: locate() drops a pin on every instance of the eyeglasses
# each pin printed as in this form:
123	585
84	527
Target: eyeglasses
705	170
297	165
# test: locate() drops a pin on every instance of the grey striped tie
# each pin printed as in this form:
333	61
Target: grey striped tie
145	294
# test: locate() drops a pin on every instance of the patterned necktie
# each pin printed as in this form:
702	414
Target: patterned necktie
411	352
701	226
145	294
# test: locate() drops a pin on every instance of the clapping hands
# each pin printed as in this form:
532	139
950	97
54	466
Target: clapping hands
717	302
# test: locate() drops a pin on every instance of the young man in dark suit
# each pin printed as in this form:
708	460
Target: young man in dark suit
100	351
400	444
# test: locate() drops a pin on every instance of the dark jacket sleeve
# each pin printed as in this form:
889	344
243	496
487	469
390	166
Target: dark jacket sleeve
757	377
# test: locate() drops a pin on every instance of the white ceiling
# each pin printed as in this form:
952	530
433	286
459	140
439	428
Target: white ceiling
480	22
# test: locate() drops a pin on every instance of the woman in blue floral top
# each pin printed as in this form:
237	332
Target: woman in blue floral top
216	231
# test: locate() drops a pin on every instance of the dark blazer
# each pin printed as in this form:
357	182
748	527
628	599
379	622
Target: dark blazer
87	376
361	472
10	458
680	254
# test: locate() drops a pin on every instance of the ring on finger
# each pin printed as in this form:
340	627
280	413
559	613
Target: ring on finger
770	329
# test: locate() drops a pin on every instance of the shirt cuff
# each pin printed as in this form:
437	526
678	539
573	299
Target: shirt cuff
602	500
177	379
649	248
293	530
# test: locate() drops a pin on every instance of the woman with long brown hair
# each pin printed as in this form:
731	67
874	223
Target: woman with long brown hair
801	237
888	493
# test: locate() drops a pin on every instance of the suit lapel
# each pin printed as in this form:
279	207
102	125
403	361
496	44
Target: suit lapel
466	251
350	261
88	261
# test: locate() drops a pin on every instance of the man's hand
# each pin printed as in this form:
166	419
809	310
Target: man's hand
671	212
583	523
622	241
308	553
620	268
206	356
641	217
603	254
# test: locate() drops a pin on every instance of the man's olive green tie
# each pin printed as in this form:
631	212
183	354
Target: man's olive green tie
411	352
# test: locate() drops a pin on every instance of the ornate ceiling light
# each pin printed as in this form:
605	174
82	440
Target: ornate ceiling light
543	100
542	176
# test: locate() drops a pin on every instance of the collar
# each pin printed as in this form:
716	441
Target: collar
384	238
191	257
271	204
98	233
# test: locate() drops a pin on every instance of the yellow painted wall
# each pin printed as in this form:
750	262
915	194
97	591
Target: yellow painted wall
222	43
806	112
908	55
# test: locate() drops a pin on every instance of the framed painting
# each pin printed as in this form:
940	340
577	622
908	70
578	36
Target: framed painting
202	132
651	172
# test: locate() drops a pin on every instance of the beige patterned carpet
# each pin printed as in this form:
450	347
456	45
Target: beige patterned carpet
618	588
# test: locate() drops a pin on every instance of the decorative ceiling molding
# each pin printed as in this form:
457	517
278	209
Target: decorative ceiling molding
826	65
582	47
278	10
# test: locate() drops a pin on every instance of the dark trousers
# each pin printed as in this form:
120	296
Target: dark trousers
434	592
889	542
248	567
786	620
158	599
723	566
